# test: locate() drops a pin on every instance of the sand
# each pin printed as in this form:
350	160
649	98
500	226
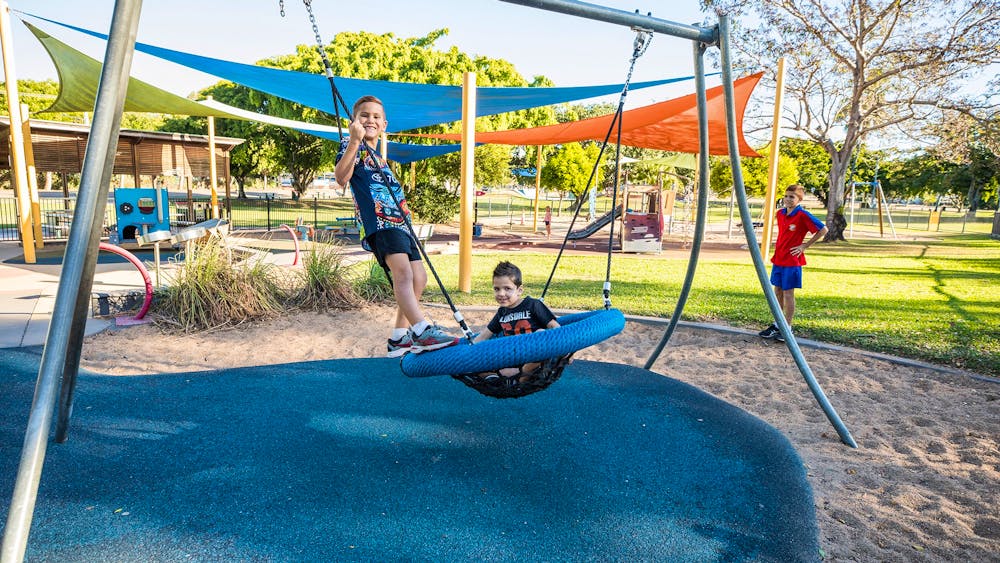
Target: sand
923	485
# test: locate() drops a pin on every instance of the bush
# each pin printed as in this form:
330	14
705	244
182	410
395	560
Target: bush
433	204
324	279
212	290
373	285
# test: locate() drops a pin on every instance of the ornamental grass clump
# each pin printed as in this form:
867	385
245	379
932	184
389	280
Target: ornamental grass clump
324	281
214	289
373	285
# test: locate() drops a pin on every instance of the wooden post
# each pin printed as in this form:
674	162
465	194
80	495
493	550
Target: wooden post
538	189
135	164
213	175
772	162
877	190
467	197
29	160
228	180
19	172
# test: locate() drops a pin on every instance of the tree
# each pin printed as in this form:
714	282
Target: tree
812	164
862	67
754	174
570	168
38	95
973	147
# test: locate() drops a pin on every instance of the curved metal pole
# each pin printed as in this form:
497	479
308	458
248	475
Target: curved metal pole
758	260
295	241
147	300
62	347
699	228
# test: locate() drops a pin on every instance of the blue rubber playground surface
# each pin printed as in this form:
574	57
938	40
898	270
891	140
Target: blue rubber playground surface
348	460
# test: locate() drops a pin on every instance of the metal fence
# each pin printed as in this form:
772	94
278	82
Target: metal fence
265	213
925	219
269	213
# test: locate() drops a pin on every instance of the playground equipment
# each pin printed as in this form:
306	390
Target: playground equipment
103	298
642	222
140	211
155	238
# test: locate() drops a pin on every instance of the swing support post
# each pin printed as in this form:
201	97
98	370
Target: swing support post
718	36
61	356
758	259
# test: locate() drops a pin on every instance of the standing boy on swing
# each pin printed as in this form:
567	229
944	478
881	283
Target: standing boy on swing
381	205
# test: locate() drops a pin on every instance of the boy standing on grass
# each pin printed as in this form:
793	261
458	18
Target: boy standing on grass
790	253
381	205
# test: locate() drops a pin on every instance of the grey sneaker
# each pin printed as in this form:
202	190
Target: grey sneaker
399	347
770	332
432	338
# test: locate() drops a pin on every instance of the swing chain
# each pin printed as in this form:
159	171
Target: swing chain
319	39
281	7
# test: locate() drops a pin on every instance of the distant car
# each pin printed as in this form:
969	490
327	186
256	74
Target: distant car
480	192
286	182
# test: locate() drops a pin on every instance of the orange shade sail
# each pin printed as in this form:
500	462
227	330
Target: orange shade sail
670	126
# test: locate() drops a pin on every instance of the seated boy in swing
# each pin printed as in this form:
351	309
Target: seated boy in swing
518	313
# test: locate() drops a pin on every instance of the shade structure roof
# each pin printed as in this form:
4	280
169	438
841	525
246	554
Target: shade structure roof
670	126
78	83
409	105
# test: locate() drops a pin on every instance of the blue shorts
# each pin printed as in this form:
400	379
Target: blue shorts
786	277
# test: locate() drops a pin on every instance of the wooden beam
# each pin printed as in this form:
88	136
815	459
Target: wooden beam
467	187
19	174
29	160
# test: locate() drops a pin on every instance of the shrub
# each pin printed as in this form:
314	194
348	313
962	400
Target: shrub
324	278
433	204
373	285
212	290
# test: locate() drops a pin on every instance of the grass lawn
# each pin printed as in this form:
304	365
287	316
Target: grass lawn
935	301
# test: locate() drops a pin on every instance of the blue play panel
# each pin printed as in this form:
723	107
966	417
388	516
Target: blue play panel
349	460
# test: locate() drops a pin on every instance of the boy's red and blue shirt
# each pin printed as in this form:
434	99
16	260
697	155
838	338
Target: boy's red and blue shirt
373	186
792	229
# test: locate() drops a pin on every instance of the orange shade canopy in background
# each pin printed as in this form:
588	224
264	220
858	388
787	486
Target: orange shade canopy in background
670	126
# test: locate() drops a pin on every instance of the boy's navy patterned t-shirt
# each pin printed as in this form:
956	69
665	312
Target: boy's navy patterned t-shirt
373	185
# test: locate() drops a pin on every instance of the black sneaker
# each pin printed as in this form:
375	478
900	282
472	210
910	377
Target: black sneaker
780	337
770	332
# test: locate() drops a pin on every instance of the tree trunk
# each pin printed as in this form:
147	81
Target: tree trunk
973	196
241	183
835	220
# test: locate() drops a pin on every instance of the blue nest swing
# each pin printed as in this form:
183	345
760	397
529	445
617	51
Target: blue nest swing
478	365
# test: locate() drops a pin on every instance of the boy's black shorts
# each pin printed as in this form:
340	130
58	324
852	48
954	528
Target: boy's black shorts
392	241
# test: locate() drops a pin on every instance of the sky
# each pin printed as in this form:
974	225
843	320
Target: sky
569	50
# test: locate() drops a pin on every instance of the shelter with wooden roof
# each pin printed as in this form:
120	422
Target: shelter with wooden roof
59	147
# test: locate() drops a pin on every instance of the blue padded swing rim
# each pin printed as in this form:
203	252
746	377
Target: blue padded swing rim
576	331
